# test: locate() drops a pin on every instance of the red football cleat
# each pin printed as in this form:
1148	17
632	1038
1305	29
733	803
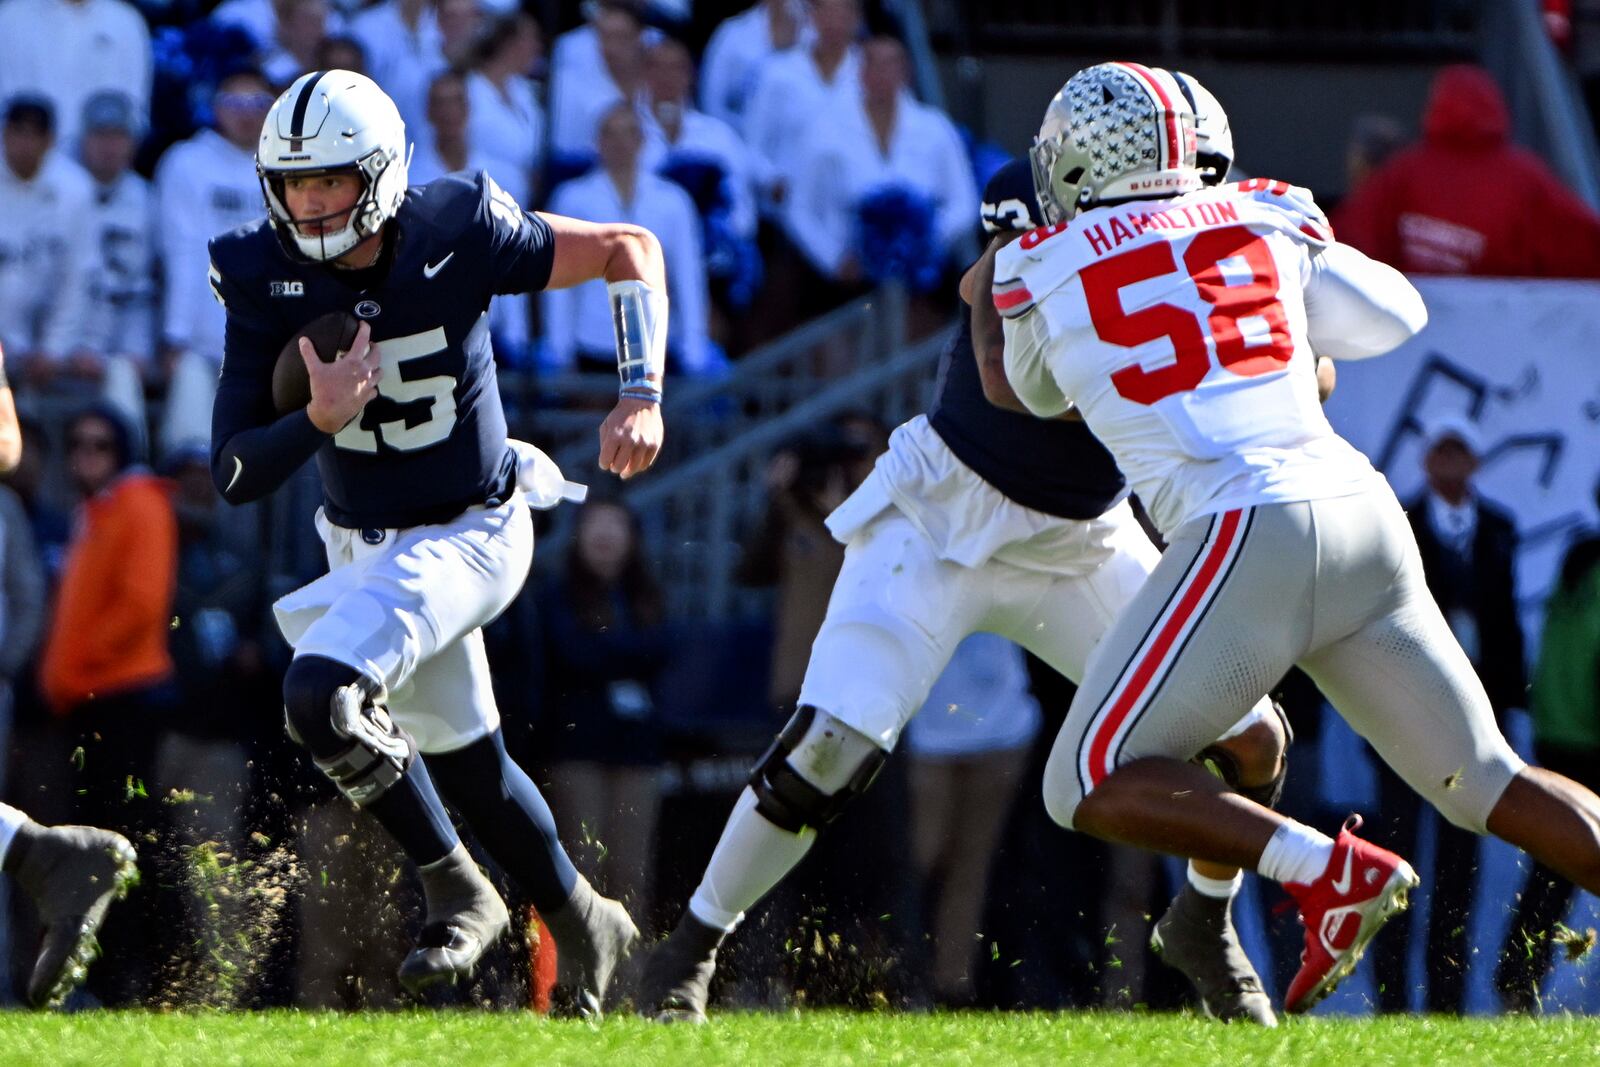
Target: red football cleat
1363	888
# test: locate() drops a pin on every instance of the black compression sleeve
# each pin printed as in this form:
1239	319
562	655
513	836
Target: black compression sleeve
253	462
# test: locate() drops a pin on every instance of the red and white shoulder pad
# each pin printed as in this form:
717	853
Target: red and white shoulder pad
1294	200
1023	271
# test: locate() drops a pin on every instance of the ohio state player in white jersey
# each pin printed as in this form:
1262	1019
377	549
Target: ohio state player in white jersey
1142	294
1181	324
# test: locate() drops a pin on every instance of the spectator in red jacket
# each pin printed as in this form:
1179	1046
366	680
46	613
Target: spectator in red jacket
1467	201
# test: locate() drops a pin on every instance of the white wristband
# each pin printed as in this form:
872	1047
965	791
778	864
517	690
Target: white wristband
639	323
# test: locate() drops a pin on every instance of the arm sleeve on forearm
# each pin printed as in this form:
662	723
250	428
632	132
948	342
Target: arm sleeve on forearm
253	449
250	463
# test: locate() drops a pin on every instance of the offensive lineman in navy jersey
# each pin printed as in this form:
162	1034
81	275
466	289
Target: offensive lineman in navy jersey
976	518
425	514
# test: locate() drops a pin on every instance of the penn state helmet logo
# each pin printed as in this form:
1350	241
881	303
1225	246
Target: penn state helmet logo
368	309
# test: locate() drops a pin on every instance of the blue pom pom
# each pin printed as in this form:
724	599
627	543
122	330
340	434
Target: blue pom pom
896	237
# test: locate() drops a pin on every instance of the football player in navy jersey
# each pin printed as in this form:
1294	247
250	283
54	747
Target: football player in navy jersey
426	526
977	518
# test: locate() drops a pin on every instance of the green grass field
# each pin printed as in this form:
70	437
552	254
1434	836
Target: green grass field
812	1039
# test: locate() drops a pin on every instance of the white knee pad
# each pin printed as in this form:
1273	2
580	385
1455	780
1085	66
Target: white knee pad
813	770
831	754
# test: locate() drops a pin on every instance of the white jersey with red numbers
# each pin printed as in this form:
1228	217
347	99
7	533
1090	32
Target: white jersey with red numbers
1185	331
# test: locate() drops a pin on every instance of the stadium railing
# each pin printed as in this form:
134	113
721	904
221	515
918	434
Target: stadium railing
563	412
696	516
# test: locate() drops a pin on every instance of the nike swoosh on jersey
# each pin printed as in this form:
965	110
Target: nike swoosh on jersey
430	269
238	469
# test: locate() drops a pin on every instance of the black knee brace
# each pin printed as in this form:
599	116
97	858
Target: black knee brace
330	709
790	802
1220	762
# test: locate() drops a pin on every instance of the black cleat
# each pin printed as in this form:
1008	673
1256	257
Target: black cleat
1196	937
677	978
594	934
445	953
73	873
465	917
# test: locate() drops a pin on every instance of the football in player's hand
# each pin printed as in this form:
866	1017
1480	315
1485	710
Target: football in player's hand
330	335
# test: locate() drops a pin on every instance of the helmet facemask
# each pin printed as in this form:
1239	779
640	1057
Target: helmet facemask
366	217
332	122
1046	156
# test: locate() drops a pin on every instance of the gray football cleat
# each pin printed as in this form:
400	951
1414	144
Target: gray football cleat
677	978
1196	937
593	935
73	873
465	917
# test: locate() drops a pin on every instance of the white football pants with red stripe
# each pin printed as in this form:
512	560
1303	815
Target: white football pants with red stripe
1332	586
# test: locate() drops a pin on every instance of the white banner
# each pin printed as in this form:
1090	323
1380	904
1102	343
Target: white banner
1520	359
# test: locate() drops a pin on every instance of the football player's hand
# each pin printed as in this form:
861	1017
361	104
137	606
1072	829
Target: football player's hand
1327	378
339	390
630	437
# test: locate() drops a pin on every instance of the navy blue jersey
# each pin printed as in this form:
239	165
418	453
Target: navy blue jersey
1048	465
433	441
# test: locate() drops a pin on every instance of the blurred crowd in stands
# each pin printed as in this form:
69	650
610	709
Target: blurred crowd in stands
786	165
766	216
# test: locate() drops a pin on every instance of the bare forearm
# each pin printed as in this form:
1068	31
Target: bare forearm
988	334
1327	378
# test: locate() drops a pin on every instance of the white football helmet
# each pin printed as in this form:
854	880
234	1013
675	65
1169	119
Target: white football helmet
1115	131
333	121
1213	139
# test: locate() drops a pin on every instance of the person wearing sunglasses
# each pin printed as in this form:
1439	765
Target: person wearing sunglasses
106	669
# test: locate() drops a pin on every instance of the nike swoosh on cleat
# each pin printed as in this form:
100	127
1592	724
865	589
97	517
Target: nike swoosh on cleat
238	469
430	269
1341	885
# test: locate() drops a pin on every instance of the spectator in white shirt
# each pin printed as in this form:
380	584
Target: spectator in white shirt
591	68
578	320
459	24
738	49
707	158
885	139
404	48
676	131
506	121
261	18
44	248
798	87
65	50
340	53
120	318
205	186
445	144
302	25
